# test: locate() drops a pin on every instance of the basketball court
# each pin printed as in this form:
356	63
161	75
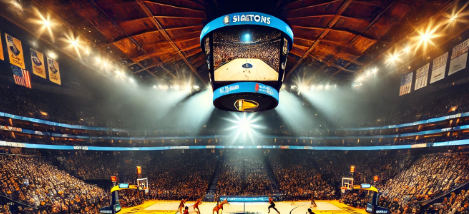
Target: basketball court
297	207
244	69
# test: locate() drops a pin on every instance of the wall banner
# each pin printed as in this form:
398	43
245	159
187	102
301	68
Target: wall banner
439	68
458	57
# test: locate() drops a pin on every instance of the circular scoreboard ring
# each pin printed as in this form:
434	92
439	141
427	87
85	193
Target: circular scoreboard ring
245	97
246	81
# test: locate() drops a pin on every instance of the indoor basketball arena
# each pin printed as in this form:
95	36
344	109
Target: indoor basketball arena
234	107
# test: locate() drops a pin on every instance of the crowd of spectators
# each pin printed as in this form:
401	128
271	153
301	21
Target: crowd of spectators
298	177
175	176
405	180
384	164
244	173
71	110
427	178
430	176
91	166
59	107
42	186
355	198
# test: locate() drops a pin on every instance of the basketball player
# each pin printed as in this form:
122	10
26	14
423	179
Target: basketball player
313	203
220	206
272	205
186	210
181	205
196	205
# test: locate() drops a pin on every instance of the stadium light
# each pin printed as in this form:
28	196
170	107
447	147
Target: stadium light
406	49
74	43
16	5
247	37
154	86
45	22
131	80
245	126
52	55
453	17
87	51
425	36
105	65
392	58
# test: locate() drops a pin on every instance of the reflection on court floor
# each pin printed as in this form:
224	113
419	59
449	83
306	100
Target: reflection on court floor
297	207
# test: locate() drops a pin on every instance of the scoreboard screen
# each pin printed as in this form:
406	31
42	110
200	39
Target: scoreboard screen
246	55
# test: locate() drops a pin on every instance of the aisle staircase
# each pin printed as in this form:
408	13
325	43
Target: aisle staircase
273	180
212	186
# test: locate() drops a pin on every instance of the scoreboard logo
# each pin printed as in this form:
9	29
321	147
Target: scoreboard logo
226	20
250	18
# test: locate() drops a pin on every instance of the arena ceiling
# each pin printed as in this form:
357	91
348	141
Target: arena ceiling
158	38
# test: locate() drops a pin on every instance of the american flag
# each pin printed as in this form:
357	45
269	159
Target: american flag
21	76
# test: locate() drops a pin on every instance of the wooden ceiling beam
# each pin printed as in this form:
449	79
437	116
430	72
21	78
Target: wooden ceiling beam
152	31
326	15
146	68
449	5
331	24
315	5
158	25
331	29
175	7
190	47
377	17
133	40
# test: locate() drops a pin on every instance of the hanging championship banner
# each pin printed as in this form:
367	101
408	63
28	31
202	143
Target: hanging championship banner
15	51
421	76
458	57
406	83
1	48
439	68
54	72
38	63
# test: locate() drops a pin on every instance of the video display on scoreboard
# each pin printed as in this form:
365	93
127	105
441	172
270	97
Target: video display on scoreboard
246	53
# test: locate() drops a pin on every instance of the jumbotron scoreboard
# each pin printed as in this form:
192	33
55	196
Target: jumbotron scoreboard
246	56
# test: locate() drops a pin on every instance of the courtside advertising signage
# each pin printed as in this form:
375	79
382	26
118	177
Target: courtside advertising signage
247	18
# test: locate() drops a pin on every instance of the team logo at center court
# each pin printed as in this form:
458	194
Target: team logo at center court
226	20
